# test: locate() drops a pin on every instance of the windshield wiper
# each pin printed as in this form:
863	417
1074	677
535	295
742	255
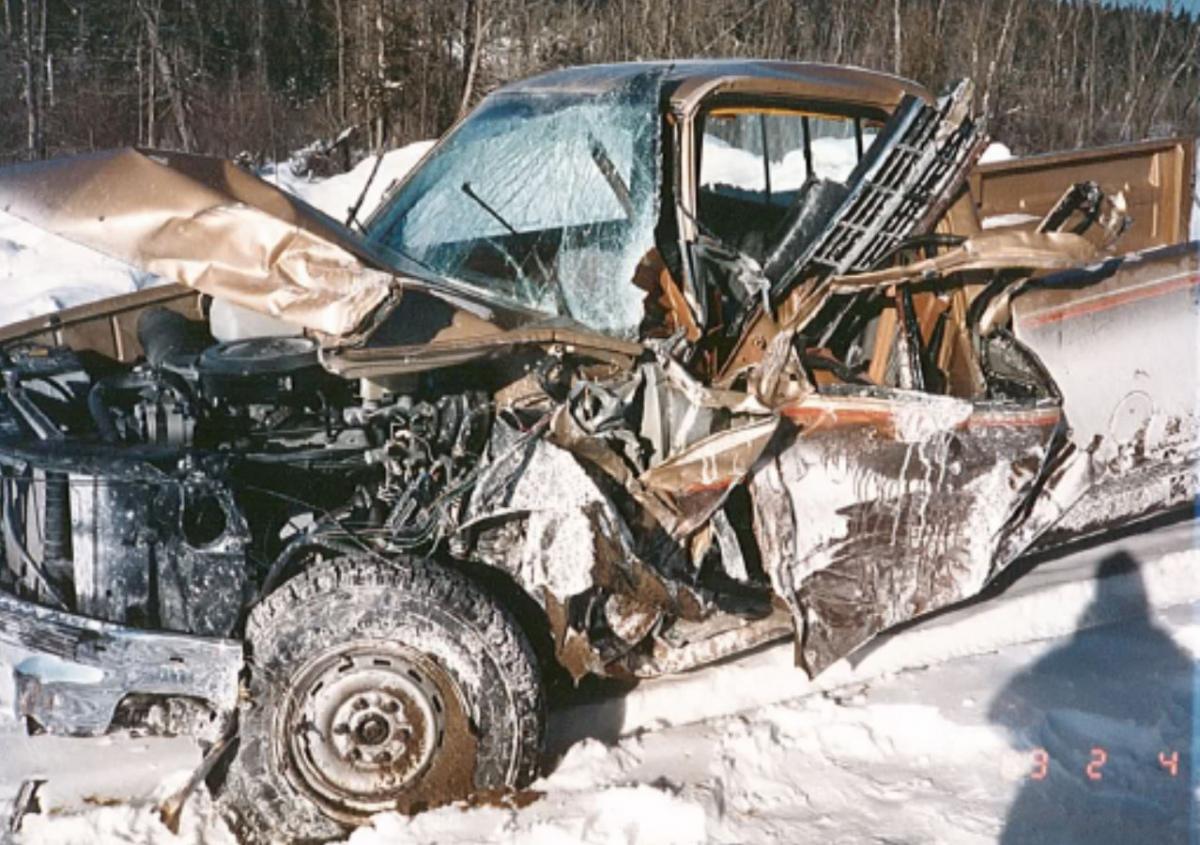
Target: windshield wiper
560	298
486	206
352	216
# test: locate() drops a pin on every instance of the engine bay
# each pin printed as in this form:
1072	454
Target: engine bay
172	492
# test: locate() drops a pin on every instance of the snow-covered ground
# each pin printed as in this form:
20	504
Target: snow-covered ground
978	725
930	738
1060	710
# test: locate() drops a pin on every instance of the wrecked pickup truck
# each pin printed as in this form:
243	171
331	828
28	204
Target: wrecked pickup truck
642	366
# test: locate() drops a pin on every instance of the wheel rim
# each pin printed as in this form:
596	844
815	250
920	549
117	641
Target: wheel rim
364	724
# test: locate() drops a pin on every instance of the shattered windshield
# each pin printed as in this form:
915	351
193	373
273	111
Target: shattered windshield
549	199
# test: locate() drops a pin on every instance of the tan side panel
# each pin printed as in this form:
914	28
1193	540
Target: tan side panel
206	223
108	326
1155	177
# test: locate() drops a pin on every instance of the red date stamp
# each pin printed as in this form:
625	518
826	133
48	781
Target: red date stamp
1093	770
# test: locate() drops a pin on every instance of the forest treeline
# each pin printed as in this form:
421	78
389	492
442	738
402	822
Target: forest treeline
258	78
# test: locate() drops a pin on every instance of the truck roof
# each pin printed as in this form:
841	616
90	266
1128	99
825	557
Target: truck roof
687	80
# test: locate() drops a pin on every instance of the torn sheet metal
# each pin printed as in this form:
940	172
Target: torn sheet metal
703	442
694	483
670	656
148	543
887	507
998	250
539	515
69	673
563	522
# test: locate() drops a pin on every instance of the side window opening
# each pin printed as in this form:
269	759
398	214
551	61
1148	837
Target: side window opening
758	167
756	162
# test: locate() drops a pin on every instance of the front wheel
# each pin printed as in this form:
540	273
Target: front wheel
377	686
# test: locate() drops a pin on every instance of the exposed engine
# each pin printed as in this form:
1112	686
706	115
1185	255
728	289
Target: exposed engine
129	493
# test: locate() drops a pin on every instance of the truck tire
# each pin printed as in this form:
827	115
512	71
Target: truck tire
378	685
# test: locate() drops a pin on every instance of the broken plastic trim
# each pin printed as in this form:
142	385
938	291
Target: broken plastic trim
71	672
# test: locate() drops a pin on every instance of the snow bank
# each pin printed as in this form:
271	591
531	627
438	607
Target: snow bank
337	194
40	272
724	164
996	151
614	814
82	777
835	159
134	822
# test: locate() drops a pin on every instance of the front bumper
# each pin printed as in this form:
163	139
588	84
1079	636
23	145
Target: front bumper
67	673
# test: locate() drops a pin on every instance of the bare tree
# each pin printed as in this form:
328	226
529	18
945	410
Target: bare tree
998	60
34	41
150	11
267	76
474	31
340	39
897	29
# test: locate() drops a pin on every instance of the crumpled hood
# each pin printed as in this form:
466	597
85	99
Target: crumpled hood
208	224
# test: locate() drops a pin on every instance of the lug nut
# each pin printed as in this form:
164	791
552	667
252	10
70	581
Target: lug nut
373	730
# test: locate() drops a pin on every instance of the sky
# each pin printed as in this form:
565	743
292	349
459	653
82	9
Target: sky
1188	5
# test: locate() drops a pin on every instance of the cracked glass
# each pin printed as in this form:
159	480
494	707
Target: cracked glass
547	199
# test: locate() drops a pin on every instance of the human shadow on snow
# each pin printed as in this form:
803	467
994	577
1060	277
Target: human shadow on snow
1106	720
